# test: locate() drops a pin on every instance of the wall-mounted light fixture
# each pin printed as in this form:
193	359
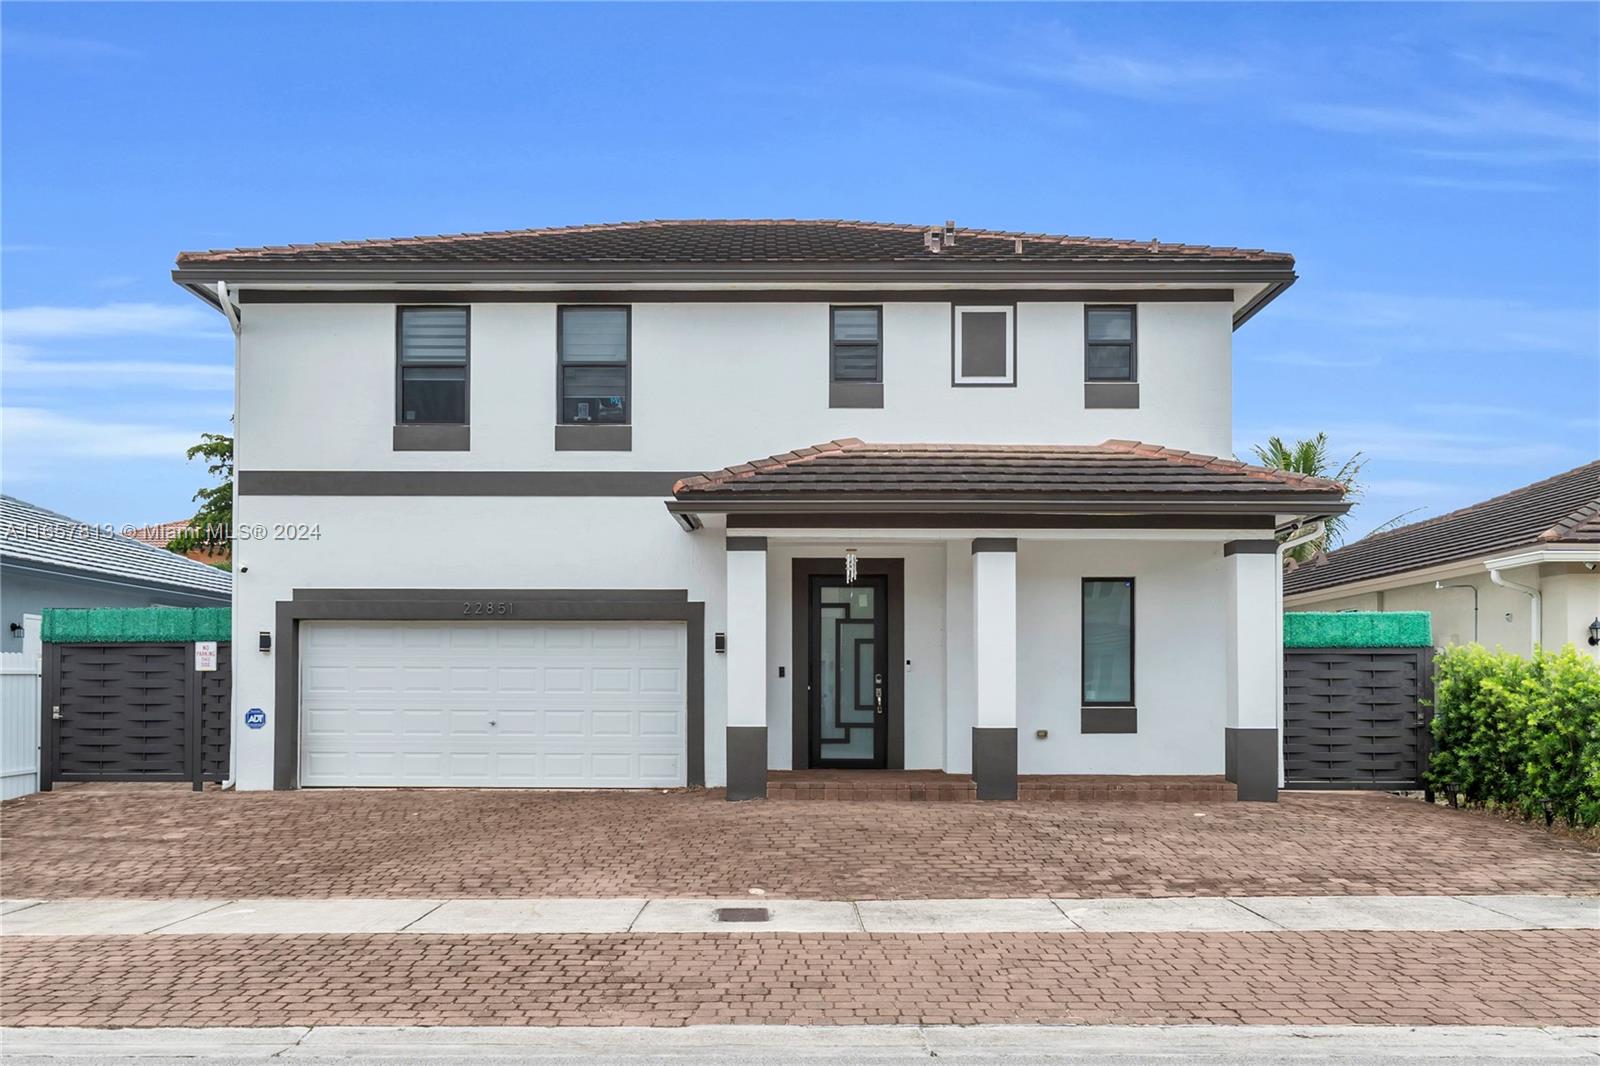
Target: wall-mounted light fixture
264	641
719	643
1594	632
16	629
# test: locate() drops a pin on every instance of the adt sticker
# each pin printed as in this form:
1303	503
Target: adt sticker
255	718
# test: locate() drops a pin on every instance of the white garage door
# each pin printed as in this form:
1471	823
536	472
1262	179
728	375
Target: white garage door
478	704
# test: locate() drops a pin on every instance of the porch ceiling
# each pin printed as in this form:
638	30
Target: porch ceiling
1123	483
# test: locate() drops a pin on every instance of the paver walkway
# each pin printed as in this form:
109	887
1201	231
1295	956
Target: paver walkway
157	842
1366	978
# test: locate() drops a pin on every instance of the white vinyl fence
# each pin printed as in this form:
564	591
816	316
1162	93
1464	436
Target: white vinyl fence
19	714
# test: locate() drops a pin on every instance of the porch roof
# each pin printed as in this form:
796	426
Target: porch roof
1115	477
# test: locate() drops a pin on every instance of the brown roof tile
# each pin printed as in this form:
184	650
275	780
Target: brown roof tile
689	241
909	471
1560	510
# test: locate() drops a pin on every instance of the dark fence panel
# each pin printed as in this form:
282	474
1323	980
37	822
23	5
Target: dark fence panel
1355	717
134	712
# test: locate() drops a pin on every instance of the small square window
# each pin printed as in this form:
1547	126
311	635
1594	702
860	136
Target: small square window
984	346
1110	344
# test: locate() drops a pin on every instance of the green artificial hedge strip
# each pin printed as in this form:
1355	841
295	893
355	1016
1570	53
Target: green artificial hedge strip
1357	629
1518	733
135	625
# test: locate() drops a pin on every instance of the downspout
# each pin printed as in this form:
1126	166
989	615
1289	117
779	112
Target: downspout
1305	534
1532	593
231	310
1474	590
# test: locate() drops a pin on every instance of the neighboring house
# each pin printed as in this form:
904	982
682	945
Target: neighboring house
161	534
1520	569
484	550
50	560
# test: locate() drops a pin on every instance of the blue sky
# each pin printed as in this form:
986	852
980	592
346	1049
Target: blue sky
1433	168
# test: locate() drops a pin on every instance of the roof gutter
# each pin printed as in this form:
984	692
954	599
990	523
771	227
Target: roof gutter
1537	608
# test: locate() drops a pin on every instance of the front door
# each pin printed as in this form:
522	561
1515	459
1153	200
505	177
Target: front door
849	672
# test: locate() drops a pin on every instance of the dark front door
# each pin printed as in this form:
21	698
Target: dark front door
849	672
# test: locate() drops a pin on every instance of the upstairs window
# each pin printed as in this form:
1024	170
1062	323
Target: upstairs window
432	353
1107	641
1110	349
593	348
984	346
857	343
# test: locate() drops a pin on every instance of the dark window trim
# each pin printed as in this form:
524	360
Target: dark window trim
1133	343
399	366
627	365
1016	353
1133	645
834	343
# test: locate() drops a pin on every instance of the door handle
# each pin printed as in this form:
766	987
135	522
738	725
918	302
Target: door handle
877	682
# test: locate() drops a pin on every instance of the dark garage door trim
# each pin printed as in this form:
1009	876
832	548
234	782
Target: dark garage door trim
447	605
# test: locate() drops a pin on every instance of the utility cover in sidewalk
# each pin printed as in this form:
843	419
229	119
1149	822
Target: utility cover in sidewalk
743	914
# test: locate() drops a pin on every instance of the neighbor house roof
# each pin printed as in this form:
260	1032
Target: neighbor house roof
728	241
1561	511
158	536
1110	476
31	534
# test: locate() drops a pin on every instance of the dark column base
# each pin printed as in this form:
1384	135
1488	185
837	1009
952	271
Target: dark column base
994	763
747	762
1255	764
1230	754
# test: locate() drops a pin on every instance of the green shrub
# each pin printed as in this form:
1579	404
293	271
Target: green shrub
1519	733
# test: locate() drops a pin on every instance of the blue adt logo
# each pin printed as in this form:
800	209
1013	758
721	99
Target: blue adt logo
255	718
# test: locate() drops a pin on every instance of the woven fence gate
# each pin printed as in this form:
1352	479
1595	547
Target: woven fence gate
1357	696
123	697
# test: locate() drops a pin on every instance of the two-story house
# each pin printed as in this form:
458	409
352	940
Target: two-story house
591	507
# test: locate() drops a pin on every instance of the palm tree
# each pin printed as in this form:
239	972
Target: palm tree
1311	457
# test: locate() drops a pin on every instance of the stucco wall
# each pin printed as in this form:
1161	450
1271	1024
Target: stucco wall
714	384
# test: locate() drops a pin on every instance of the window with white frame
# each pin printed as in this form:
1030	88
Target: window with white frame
984	345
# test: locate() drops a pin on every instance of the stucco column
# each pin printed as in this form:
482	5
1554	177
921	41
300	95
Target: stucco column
747	668
1254	646
994	667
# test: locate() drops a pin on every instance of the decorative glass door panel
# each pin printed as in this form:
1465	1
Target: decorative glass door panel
849	672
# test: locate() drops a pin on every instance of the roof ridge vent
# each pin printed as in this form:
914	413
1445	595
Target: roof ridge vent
949	232
932	239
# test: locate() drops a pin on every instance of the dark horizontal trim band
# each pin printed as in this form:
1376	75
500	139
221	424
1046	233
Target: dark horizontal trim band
644	296
868	502
747	544
1250	547
457	482
994	544
538	595
957	520
1094	719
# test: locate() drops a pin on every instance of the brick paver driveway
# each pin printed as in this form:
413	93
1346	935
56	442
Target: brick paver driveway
1484	978
158	841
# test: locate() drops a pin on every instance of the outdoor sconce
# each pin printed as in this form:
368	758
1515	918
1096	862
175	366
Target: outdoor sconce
719	643
1594	632
264	641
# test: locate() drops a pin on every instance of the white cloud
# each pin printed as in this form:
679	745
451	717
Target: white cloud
1388	322
1054	53
108	320
1460	119
1474	184
1318	361
33	434
1409	443
1509	66
23	368
59	46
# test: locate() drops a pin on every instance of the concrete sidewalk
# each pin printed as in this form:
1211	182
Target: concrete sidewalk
789	1043
639	916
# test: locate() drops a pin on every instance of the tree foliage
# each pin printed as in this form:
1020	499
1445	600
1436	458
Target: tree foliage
211	528
1311	457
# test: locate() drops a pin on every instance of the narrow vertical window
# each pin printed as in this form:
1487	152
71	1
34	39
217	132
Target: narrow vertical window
857	344
432	345
1110	344
1108	641
984	346
593	351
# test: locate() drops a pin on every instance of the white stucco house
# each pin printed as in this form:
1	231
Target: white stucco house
591	507
1519	570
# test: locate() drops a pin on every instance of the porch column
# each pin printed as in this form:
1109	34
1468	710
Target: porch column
994	666
1253	649
747	668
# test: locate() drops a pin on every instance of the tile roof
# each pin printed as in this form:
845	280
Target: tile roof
1558	511
731	241
34	534
1116	468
